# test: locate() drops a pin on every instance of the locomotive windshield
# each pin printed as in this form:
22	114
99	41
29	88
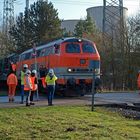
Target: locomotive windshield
73	48
88	48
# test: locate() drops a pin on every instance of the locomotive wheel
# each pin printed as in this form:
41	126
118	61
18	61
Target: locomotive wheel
80	91
70	93
74	92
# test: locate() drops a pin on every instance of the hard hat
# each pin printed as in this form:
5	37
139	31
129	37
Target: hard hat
34	71
28	72
25	66
51	71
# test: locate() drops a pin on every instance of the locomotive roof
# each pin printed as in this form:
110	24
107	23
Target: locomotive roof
59	41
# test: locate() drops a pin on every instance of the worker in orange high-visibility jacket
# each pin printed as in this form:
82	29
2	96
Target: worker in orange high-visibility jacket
138	81
12	83
27	86
34	85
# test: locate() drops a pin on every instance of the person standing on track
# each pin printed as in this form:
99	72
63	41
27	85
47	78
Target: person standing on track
27	86
12	83
34	84
22	74
50	80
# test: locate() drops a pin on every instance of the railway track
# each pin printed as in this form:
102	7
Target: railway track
126	110
100	101
133	106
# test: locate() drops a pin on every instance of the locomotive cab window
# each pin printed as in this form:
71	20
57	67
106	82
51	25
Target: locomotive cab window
22	57
88	48
27	56
72	48
43	51
49	51
56	48
38	53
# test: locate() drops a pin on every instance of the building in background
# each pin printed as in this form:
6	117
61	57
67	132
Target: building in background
69	25
96	13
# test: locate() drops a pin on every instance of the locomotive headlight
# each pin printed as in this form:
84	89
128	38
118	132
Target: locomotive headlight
79	40
97	71
69	70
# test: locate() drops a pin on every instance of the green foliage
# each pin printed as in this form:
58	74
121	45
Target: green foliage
120	59
67	33
38	24
66	123
19	34
6	45
79	28
86	26
133	50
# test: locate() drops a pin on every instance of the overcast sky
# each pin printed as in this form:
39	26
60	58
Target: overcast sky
74	9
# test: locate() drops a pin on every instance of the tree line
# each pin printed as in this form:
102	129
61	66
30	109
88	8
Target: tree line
40	24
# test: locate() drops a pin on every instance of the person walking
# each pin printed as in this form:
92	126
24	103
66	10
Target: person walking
50	80
34	85
12	83
22	74
27	86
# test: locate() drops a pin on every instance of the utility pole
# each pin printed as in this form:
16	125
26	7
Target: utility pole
27	4
36	67
113	32
8	16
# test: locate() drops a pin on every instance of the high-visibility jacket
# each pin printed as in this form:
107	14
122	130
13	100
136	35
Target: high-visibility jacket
34	83
138	81
22	77
49	80
12	79
43	82
27	83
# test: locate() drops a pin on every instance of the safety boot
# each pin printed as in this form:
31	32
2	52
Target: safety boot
10	100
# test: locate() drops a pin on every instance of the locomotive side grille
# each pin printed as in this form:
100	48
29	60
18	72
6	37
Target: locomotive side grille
79	70
83	70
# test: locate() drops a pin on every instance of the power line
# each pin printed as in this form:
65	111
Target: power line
74	2
8	15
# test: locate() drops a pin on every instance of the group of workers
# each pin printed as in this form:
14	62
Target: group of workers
29	85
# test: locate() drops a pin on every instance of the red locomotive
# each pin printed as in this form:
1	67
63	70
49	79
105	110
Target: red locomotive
71	58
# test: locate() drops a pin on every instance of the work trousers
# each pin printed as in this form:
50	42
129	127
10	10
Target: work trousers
28	94
22	93
12	89
32	95
22	90
50	94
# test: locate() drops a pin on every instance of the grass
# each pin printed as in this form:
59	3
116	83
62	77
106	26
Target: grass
66	123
